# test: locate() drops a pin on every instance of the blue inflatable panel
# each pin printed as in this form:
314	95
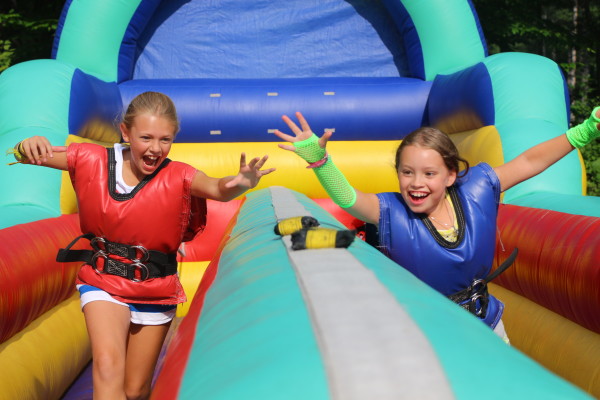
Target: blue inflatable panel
221	110
465	98
91	99
128	50
270	39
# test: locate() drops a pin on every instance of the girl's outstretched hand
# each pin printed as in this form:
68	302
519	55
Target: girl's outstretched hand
37	149
249	174
299	134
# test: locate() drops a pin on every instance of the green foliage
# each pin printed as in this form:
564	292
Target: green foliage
27	30
550	29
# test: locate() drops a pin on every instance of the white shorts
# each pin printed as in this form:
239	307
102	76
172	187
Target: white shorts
500	331
142	314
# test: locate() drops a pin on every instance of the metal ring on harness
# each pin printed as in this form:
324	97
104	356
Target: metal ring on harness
142	277
98	254
145	254
482	311
476	283
149	263
94	243
478	291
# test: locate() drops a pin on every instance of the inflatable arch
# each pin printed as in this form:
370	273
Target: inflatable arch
372	71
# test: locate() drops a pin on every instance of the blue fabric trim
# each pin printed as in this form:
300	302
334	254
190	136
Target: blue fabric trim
146	308
88	288
566	91
128	49
410	37
479	29
59	28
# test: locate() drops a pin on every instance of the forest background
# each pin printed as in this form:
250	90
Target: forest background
566	31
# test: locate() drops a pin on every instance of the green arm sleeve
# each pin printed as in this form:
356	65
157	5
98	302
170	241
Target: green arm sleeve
333	181
585	132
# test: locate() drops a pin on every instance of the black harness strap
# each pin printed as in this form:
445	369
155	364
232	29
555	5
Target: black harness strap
145	264
475	298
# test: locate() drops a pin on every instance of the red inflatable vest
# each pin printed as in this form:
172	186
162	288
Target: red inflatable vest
158	214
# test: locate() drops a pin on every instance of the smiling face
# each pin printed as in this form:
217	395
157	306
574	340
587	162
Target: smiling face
423	178
150	137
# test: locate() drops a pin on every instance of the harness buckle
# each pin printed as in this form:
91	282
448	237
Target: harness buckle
145	254
144	271
94	243
98	254
479	292
481	311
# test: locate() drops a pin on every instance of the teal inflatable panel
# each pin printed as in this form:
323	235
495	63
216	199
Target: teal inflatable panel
262	335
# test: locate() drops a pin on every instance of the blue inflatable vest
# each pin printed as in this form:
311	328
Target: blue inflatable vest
449	267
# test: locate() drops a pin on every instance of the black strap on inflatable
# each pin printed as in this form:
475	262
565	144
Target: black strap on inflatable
68	255
504	266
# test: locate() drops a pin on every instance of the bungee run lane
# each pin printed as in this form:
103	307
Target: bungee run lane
267	321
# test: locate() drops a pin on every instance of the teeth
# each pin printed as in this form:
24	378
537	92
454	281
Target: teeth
150	160
418	194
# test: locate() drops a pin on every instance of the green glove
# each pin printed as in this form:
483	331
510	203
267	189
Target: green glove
331	178
582	134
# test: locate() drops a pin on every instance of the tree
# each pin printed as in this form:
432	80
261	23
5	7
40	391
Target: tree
564	31
27	30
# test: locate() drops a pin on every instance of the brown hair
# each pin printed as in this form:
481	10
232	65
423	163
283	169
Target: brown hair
434	139
153	103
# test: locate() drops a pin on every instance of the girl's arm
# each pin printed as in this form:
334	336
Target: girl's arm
538	158
37	150
229	187
364	206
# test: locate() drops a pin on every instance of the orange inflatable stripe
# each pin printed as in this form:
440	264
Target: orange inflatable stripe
557	265
559	344
31	281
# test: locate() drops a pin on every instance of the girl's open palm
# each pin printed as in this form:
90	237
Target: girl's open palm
299	134
249	174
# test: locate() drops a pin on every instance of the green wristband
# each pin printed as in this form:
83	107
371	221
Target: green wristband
309	149
582	134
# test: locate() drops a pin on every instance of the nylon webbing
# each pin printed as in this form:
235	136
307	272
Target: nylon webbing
371	347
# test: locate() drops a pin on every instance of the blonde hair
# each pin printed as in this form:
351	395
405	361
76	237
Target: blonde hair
434	139
153	103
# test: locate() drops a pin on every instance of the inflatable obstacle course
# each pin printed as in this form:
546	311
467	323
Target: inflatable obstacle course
371	71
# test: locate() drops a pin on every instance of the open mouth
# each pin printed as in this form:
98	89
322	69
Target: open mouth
418	197
150	161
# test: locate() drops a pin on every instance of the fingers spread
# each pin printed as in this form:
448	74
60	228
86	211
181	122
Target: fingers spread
325	138
303	123
292	125
287	147
267	171
284	136
261	161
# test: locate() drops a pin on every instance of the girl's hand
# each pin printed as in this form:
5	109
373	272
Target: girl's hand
249	174
37	150
299	134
